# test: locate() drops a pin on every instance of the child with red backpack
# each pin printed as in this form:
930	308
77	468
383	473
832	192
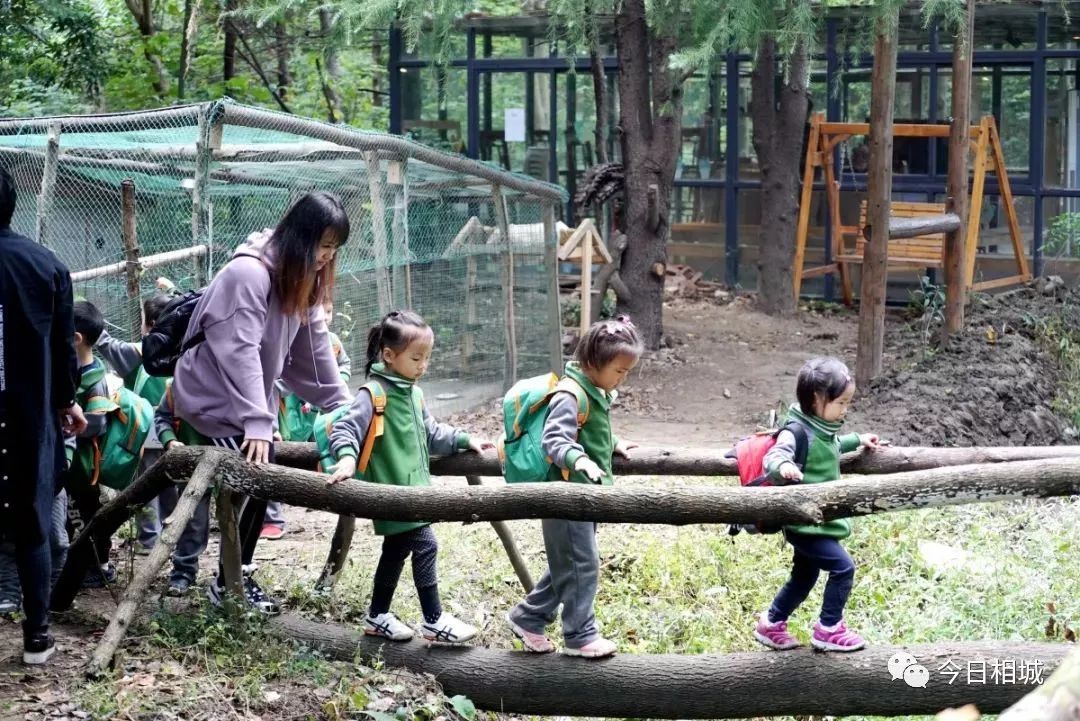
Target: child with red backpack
578	447
824	391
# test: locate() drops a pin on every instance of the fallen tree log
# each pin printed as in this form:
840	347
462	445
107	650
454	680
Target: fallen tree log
178	468
1056	700
674	505
738	685
675	461
174	525
900	228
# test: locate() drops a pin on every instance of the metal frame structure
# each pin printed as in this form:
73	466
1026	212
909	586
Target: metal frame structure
935	60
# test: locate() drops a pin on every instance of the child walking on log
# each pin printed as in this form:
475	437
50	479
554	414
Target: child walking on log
824	391
579	452
398	351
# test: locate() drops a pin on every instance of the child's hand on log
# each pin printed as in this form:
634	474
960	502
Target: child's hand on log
344	470
623	448
173	444
790	472
871	441
587	466
478	446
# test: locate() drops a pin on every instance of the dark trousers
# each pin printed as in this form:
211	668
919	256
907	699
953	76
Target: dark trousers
84	500
814	554
34	563
421	543
251	513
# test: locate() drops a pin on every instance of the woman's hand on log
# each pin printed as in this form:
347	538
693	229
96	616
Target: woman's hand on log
343	471
258	452
623	448
479	446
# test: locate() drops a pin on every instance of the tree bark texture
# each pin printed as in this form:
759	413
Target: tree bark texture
914	227
187	45
340	544
957	183
1056	700
145	574
779	125
333	64
674	505
178	468
228	56
281	50
650	117
737	685
676	461
879	193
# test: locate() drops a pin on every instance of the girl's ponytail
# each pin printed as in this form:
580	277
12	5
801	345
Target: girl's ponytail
374	346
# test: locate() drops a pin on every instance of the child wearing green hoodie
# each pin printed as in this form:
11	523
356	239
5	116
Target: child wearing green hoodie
824	390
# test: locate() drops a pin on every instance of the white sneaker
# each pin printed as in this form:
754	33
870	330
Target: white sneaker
447	629
388	626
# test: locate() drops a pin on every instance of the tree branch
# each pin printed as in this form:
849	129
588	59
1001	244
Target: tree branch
253	62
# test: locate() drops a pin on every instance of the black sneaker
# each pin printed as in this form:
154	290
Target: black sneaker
38	648
178	586
99	577
258	599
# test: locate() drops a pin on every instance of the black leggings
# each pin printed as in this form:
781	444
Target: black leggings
421	543
252	510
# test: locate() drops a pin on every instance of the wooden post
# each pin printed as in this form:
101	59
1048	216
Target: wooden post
396	176
503	531
199	201
508	286
48	183
805	200
378	227
551	265
468	338
879	191
146	573
586	282
231	561
1008	206
978	188
957	188
131	250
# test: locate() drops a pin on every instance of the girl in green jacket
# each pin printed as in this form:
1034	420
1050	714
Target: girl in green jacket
399	348
824	390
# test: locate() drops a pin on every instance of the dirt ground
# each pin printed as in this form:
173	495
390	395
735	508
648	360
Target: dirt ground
726	367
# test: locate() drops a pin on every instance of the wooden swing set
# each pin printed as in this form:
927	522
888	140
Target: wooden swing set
916	230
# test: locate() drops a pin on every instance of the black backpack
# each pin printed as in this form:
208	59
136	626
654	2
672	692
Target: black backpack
164	344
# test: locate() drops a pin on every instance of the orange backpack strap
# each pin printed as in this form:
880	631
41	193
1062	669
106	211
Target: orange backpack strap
570	385
375	428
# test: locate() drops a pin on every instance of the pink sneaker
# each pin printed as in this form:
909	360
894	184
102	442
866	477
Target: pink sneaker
774	635
836	638
598	648
533	642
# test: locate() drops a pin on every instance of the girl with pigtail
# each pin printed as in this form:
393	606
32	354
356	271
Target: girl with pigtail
398	352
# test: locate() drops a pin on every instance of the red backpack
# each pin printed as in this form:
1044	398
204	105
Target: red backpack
749	455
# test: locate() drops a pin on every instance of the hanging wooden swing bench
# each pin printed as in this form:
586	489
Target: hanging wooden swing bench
916	230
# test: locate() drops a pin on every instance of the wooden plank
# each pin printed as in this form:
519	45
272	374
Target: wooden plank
832	192
804	203
900	130
502	218
1007	199
820	270
1000	282
977	188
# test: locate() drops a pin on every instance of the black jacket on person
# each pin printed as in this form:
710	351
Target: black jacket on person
38	372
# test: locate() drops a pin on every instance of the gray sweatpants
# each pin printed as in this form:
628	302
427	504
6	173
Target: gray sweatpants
571	579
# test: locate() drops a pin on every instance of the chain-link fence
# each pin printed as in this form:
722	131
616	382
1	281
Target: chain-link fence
468	246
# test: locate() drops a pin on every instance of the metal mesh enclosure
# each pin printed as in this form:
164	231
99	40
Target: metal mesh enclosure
468	246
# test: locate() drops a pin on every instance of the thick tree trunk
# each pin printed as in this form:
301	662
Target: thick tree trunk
778	121
142	11
675	461
1058	699
957	186
650	116
878	196
674	505
737	685
228	57
281	50
174	525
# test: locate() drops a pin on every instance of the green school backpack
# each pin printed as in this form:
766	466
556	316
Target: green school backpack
294	423
524	412
113	459
324	425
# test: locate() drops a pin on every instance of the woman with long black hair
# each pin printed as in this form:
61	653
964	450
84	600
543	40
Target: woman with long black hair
262	317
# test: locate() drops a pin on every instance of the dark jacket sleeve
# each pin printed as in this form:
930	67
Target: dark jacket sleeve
65	365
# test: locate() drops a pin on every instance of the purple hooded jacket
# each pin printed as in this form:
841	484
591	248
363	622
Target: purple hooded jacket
224	386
